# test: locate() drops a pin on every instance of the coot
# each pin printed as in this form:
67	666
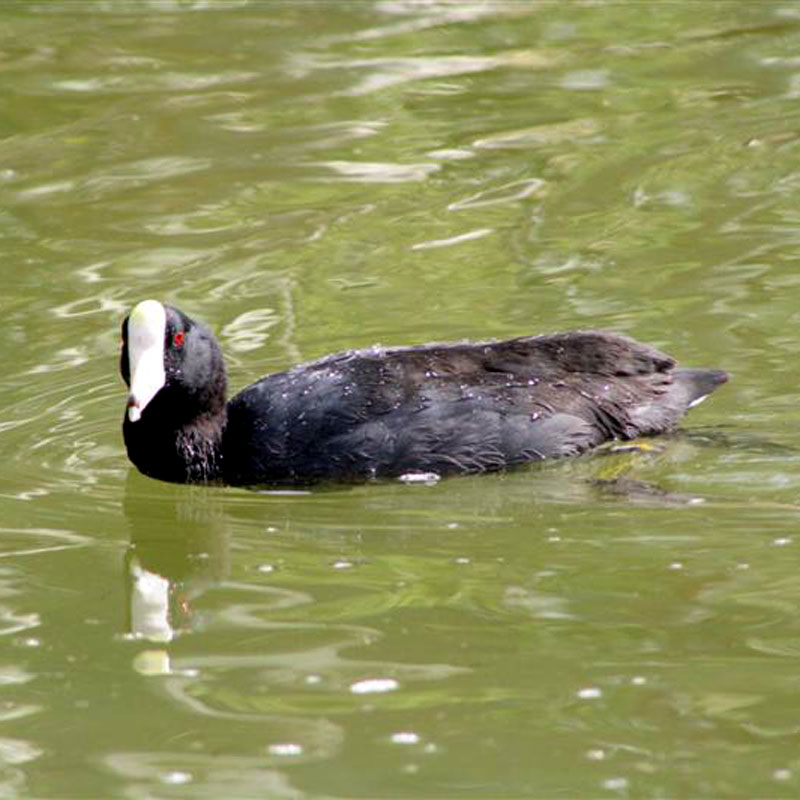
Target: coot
389	412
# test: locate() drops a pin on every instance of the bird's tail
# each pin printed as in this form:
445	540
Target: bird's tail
697	384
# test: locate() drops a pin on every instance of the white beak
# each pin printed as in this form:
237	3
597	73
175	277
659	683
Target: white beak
147	326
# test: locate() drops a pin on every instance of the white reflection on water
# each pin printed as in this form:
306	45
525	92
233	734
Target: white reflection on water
34	541
553	133
11	622
249	330
424	15
11	710
469	236
386	72
81	306
149	81
133	175
14	675
383	73
65	358
118	178
374	686
373	172
500	195
18	751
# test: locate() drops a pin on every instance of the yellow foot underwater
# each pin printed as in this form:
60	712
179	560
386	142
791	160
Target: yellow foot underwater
637	446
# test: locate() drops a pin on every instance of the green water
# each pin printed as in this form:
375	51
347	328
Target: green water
309	177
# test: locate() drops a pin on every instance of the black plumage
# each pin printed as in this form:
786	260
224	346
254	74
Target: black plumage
388	412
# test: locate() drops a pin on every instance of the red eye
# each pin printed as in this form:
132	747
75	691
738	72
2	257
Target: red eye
178	339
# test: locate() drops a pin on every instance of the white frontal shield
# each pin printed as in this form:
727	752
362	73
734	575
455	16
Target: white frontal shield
147	326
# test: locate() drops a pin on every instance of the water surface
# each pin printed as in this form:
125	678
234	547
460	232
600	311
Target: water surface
308	177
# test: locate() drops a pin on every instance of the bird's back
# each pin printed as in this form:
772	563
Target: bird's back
454	408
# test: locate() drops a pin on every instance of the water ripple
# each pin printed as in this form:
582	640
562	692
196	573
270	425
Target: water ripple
148	81
422	16
469	236
173	773
540	135
249	330
384	73
365	172
501	195
35	541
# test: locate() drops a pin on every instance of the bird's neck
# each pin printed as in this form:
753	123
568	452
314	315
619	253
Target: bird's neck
198	445
189	453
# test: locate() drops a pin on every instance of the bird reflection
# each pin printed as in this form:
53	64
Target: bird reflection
180	535
178	550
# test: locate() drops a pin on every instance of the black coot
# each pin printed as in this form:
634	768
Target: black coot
388	412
